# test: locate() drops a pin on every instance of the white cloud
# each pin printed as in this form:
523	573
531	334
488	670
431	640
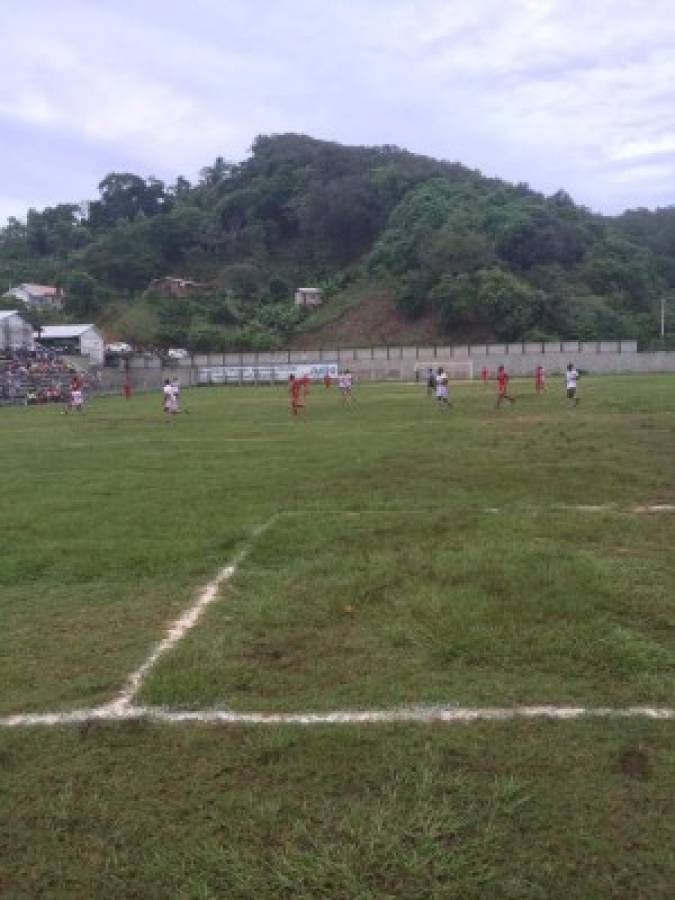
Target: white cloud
546	91
637	149
112	79
657	173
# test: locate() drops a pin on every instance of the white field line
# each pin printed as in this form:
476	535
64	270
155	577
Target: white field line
414	714
121	708
178	629
658	508
427	510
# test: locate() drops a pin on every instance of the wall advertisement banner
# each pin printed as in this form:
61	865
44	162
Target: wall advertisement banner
264	374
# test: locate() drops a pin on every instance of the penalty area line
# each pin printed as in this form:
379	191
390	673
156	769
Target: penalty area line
122	708
428	510
179	628
402	715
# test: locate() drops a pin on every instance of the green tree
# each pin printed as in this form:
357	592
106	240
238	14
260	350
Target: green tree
455	300
137	323
83	296
245	280
508	304
279	289
412	294
219	171
124	197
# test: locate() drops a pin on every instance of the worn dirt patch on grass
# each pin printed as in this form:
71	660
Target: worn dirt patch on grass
634	763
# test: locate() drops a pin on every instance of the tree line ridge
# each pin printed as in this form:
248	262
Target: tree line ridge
483	258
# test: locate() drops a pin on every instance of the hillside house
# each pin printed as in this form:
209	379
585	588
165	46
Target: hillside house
308	297
172	286
37	296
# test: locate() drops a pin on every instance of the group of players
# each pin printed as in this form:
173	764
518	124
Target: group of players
437	384
298	389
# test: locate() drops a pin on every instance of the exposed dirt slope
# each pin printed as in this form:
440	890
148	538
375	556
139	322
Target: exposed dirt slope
373	320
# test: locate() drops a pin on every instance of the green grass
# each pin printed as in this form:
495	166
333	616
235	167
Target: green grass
453	607
525	810
383	580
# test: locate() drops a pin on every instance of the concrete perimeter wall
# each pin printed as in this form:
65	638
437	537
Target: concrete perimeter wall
147	372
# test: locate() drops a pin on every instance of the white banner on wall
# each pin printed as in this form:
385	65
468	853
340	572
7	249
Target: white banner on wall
253	374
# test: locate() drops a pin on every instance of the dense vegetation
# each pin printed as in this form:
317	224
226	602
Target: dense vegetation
483	257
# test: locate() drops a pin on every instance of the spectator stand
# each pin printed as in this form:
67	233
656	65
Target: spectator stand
39	377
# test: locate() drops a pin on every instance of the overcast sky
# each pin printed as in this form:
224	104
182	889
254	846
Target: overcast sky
573	94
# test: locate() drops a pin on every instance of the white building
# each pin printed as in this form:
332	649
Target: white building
308	297
15	332
38	296
85	340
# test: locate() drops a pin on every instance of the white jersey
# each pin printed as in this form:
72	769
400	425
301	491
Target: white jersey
345	381
76	397
442	384
571	376
169	397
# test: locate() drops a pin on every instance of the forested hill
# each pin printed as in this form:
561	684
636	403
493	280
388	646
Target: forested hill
473	257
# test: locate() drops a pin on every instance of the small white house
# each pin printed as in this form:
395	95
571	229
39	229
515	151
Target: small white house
37	296
308	297
85	340
15	332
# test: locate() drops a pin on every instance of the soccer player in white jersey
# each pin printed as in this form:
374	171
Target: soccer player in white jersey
571	376
442	388
76	399
175	384
168	399
75	396
345	384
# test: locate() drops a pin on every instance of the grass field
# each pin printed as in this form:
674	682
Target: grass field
479	557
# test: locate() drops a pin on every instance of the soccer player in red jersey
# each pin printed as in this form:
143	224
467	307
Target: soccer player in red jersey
126	388
304	381
75	388
539	378
294	388
484	375
502	385
327	381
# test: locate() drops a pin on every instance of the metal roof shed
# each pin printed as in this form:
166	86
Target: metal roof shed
86	340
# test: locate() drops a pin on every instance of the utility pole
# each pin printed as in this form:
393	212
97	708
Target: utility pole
663	317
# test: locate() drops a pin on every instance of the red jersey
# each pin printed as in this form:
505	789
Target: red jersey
539	375
295	389
502	381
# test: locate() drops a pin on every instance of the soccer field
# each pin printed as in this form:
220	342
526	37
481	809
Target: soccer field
470	574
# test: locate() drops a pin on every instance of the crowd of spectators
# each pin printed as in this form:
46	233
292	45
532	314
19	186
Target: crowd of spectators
38	376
